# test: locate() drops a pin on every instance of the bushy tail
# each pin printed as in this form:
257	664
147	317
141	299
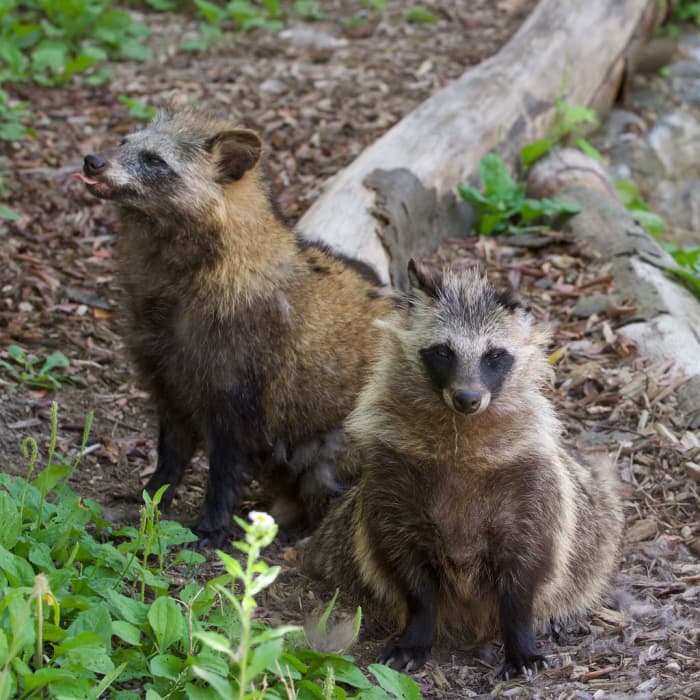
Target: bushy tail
330	555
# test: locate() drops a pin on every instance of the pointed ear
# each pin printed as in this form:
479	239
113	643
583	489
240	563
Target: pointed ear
508	298
235	152
424	279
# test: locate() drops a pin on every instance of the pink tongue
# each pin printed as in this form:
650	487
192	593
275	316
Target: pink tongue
86	180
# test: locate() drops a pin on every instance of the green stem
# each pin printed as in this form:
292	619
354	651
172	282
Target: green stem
247	606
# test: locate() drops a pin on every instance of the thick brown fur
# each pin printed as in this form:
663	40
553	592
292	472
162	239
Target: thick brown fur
247	338
479	521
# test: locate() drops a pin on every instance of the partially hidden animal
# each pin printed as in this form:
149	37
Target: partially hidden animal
250	340
470	515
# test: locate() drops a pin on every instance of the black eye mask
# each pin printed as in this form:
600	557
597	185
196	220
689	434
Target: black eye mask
494	367
440	363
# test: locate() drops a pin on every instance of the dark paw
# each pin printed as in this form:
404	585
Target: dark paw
526	665
403	658
210	538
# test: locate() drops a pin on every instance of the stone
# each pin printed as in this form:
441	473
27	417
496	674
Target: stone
641	530
589	305
675	139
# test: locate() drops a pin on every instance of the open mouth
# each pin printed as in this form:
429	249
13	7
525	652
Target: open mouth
96	187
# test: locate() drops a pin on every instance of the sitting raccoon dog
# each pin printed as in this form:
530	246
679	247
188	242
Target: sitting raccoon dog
247	338
470	514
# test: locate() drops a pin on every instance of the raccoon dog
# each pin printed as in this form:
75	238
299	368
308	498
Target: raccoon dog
470	514
248	338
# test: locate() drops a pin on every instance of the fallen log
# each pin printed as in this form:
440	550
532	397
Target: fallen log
666	315
566	48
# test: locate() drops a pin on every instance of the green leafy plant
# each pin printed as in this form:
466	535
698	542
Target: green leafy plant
688	259
35	372
420	14
568	126
138	109
49	41
635	204
8	214
239	15
308	9
13	118
502	205
375	5
87	609
687	11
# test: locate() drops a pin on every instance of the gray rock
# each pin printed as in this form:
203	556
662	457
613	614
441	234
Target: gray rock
675	140
594	304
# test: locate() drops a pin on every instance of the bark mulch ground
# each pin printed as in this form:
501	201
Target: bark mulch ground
318	102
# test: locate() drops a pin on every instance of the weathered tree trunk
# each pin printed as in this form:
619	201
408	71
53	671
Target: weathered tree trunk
569	48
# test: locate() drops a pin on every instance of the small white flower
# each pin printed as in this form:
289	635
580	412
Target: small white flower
258	517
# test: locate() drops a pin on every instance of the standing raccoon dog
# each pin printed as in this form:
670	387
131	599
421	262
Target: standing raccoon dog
469	513
246	337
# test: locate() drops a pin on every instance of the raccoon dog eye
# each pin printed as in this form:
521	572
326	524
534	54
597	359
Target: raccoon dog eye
152	158
493	356
444	352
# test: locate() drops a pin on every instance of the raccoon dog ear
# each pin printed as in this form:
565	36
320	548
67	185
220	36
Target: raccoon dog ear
424	279
508	298
235	152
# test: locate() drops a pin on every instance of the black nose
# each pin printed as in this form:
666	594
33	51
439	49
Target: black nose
466	400
94	165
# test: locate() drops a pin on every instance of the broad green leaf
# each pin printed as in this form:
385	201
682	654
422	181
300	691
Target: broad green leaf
44	676
588	148
211	662
97	620
398	684
488	223
195	692
50	55
211	12
17	569
264	579
167	666
264	657
495	176
49	477
6	213
40	556
534	151
578	115
17	354
165	618
75	689
653	223
475	197
219	683
10	521
53	361
134	50
125	608
215	641
420	13
309	689
127	632
108	679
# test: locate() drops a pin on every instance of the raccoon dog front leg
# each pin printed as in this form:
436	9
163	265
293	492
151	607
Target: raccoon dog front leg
518	579
411	648
176	445
227	475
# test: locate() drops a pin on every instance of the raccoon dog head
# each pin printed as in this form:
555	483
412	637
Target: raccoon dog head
177	165
473	345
